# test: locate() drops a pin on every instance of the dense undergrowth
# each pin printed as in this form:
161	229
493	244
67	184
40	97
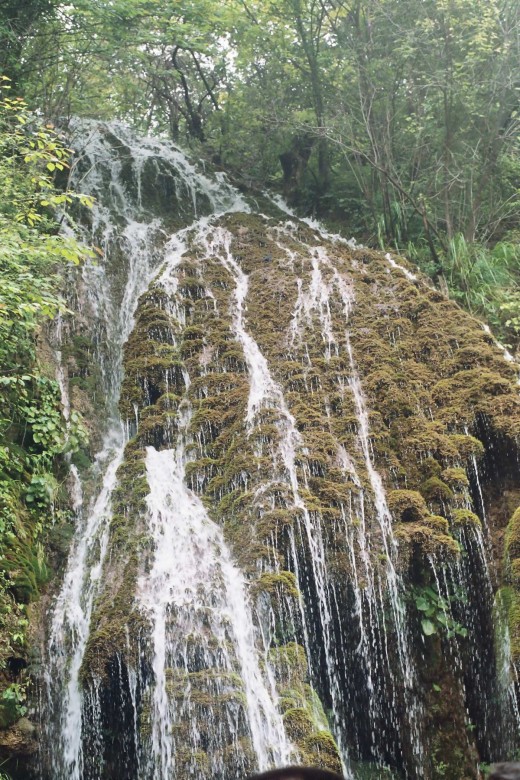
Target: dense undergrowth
484	279
34	435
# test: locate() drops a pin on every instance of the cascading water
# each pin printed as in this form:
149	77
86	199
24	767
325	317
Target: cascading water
129	232
204	593
264	392
235	596
319	299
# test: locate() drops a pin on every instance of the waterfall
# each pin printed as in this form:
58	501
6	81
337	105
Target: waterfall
235	596
202	593
319	299
265	392
126	228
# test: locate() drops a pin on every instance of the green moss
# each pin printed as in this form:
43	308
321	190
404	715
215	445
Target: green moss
191	287
239	753
512	537
281	583
407	506
455	477
515	572
417	437
113	620
191	762
478	389
307	729
434	489
438	523
289	664
424	540
510	601
320	750
431	467
298	724
276	520
465	518
467	446
114	615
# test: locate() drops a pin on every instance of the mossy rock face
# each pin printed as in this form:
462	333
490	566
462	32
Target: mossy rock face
425	540
512	539
407	506
510	600
511	595
303	715
434	389
114	617
465	518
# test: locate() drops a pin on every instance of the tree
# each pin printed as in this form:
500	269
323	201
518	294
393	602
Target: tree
18	22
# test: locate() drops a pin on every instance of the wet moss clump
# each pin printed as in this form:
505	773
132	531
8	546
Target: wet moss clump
407	506
456	478
466	518
434	489
320	749
277	583
438	523
420	541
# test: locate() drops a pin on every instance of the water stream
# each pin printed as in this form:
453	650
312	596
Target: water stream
123	228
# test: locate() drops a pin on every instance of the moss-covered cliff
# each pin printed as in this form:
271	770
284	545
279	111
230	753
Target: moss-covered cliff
372	373
301	543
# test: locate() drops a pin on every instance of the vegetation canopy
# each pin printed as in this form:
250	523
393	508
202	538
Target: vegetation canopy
396	121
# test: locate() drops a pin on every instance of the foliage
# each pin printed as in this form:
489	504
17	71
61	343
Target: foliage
485	280
398	119
33	432
13	697
436	614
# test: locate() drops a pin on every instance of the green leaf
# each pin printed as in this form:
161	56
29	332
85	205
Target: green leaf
428	627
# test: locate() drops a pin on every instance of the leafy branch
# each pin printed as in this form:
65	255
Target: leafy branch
436	614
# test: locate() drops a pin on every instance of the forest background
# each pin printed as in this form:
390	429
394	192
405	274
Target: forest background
395	120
